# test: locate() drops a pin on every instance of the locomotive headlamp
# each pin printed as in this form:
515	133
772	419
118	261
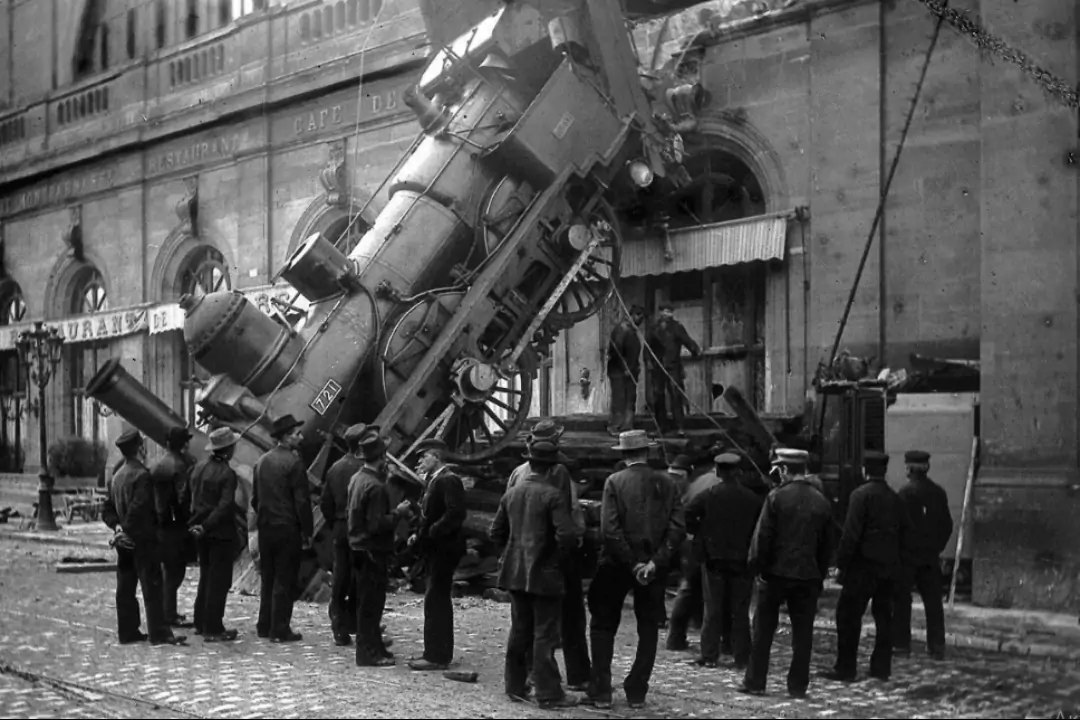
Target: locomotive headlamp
641	173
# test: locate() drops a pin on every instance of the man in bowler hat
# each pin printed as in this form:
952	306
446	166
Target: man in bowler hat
281	500
931	527
370	531
641	524
212	523
533	533
172	497
129	511
572	625
441	540
334	504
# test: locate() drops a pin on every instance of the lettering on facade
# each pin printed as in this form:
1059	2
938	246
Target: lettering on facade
334	115
194	153
57	192
85	329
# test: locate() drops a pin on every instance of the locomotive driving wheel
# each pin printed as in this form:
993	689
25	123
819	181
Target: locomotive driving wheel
485	404
595	282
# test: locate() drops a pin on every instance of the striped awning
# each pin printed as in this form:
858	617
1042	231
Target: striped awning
729	243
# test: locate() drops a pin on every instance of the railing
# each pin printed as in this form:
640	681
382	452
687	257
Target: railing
335	18
82	105
197	65
183	80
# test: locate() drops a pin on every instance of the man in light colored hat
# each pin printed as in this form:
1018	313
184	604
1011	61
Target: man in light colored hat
371	523
723	518
170	476
441	540
869	561
789	554
334	503
212	523
533	532
129	510
641	524
931	527
572	627
281	499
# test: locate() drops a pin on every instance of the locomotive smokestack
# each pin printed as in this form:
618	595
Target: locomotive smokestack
115	388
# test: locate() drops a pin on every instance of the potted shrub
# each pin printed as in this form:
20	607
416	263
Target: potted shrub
76	462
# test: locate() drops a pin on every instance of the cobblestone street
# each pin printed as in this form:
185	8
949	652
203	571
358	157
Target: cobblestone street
59	658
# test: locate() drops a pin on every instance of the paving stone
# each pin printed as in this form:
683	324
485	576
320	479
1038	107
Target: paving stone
64	629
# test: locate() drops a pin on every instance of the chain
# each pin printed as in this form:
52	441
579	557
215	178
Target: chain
1055	86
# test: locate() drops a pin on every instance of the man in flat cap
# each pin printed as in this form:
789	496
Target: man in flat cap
281	499
371	522
931	527
212	523
723	518
623	368
334	504
789	554
572	625
667	377
173	502
869	561
441	540
533	532
641	526
129	510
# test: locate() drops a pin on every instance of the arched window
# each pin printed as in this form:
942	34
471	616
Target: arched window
12	384
89	297
205	272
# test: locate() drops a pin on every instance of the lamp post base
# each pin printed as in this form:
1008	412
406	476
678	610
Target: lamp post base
46	519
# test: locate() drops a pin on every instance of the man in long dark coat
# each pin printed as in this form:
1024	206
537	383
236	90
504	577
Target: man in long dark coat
667	377
931	527
281	499
170	476
130	512
533	532
442	543
869	561
623	368
790	555
334	504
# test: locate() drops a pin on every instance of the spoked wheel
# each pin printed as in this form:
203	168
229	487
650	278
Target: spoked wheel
488	403
595	282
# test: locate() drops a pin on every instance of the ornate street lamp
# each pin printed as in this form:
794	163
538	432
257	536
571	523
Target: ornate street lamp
40	353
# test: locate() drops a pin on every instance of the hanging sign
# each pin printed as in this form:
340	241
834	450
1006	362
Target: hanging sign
84	328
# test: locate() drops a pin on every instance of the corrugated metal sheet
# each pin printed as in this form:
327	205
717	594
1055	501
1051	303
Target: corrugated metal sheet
731	243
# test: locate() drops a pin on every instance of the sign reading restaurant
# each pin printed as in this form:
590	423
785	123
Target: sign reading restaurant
161	318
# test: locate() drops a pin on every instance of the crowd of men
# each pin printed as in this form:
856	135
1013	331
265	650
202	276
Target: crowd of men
774	541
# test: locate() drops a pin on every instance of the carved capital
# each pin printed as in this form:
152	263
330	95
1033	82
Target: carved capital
332	177
188	207
73	234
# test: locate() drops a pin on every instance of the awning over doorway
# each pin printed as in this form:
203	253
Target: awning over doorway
704	246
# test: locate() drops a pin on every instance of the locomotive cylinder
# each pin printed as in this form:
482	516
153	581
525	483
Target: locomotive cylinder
114	387
227	334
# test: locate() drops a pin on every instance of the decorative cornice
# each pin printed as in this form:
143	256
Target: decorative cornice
333	177
188	207
73	234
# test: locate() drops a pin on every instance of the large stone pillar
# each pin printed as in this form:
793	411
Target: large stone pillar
1027	540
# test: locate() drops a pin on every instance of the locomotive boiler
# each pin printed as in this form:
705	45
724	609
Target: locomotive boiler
497	231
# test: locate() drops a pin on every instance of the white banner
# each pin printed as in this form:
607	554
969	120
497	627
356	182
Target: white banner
156	318
84	328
